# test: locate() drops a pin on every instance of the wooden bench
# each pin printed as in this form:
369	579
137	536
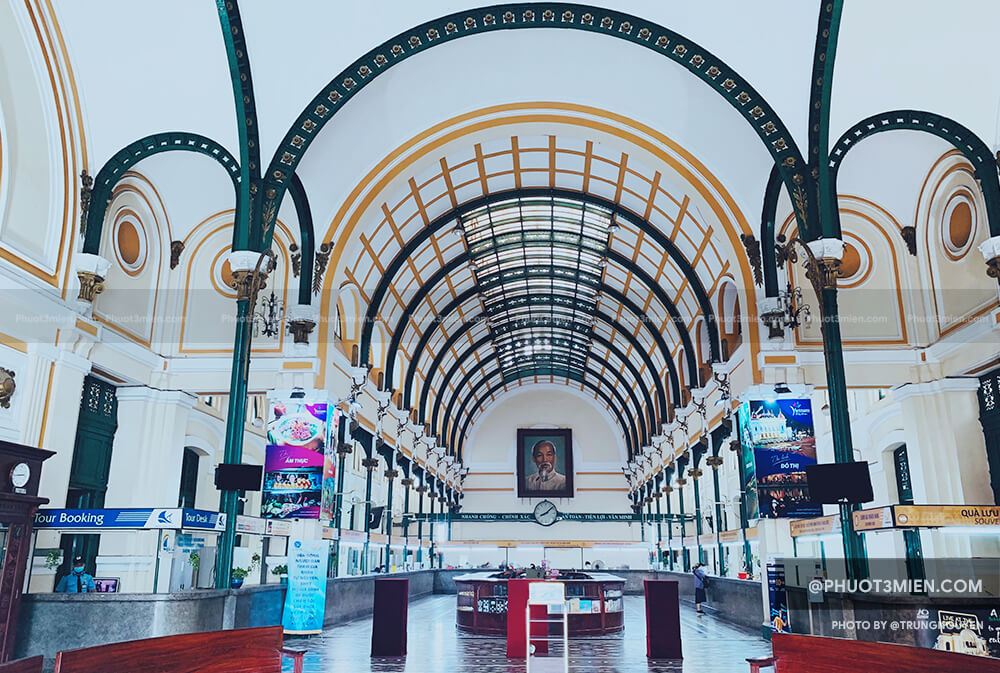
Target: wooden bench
815	654
257	650
29	665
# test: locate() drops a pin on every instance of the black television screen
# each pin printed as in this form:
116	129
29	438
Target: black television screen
835	483
230	477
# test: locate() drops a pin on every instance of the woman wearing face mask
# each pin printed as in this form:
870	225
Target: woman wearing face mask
77	582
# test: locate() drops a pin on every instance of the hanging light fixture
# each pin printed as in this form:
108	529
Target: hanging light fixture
268	317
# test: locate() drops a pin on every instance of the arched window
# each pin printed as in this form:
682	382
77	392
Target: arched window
731	324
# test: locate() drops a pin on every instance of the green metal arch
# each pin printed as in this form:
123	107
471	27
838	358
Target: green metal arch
701	63
127	157
965	141
768	215
628	429
641	437
468	294
304	215
245	235
425	390
463	258
125	160
596	337
378	295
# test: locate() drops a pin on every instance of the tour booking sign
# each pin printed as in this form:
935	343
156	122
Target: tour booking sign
778	441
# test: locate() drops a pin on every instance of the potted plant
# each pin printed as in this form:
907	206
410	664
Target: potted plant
194	558
239	574
282	573
53	558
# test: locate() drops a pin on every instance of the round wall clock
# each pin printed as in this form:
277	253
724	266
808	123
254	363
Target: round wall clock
546	513
19	475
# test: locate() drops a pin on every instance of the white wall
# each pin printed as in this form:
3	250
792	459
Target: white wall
598	454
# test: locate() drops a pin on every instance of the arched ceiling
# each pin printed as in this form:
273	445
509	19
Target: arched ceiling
524	206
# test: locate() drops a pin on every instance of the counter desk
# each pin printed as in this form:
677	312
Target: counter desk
593	601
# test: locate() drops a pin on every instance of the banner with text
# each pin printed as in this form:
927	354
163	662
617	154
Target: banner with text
305	601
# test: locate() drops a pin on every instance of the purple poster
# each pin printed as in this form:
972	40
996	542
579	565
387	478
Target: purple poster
298	434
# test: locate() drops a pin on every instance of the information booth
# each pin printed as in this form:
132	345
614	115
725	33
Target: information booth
594	603
184	552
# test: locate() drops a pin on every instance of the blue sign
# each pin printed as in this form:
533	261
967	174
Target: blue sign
108	518
780	437
305	602
204	520
146	519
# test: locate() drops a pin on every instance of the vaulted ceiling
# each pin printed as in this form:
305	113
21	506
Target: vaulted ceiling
522	205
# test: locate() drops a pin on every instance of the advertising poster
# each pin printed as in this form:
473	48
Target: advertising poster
777	598
746	465
968	631
298	435
329	504
305	602
783	442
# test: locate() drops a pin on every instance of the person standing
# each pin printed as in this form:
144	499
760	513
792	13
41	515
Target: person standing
700	582
77	581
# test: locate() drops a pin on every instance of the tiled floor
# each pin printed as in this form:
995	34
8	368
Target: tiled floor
436	647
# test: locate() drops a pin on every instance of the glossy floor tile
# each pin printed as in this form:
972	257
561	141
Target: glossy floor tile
435	646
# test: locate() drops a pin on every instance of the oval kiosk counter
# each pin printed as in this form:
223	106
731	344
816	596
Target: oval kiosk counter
593	601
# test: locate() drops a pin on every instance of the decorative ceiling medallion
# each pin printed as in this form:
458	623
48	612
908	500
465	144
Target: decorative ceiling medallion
130	242
856	264
959	225
222	275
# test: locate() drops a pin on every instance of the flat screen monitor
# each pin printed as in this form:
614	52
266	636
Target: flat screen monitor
835	483
230	477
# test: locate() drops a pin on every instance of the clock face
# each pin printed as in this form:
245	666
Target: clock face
546	513
19	475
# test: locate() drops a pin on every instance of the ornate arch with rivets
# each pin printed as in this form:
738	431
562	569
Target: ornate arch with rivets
701	63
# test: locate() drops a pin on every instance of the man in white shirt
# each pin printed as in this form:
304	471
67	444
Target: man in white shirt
546	479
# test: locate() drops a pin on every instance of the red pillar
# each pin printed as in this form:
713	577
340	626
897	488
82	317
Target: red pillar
517	603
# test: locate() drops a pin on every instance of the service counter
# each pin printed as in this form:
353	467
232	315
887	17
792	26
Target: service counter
593	601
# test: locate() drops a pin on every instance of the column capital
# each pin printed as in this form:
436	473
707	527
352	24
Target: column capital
991	253
91	271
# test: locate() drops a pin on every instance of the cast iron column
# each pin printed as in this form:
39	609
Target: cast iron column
235	420
714	462
342	450
668	489
407	483
369	464
420	522
390	475
840	421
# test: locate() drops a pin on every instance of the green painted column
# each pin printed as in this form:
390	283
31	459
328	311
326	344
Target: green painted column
659	526
431	550
714	462
390	475
420	523
840	421
407	483
342	452
685	555
369	464
235	420
670	526
697	512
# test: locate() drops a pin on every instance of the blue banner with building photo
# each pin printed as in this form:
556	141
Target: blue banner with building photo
780	435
